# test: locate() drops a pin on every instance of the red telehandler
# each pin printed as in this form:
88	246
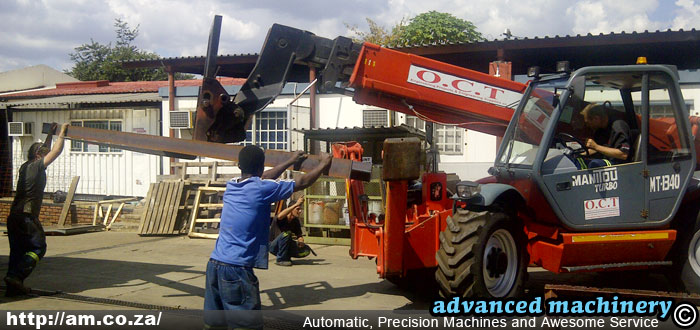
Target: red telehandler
540	205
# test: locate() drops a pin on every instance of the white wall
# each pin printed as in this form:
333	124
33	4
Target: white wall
122	173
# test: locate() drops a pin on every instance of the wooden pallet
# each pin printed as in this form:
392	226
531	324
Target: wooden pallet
162	205
198	206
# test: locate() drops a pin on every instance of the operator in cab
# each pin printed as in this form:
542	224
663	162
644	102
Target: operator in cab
611	143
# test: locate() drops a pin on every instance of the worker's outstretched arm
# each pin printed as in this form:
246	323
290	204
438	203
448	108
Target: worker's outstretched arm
289	209
310	177
276	171
57	147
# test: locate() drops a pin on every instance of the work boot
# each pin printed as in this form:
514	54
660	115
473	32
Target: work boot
284	263
15	287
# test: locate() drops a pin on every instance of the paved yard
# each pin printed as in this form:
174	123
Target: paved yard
169	271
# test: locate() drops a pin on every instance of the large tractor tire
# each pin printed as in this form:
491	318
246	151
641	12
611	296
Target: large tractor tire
686	265
482	254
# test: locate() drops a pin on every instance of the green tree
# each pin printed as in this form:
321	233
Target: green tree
96	61
427	28
435	28
377	34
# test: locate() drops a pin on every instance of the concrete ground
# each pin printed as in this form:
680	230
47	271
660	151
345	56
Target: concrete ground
122	267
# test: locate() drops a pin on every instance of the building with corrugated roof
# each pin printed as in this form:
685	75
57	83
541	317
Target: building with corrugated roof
120	106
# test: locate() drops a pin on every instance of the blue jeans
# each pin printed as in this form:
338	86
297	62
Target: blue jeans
281	246
27	244
284	247
231	288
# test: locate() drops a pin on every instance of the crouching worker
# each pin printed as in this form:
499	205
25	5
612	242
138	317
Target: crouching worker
244	232
287	241
24	231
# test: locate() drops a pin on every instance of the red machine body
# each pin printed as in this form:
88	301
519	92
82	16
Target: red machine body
407	236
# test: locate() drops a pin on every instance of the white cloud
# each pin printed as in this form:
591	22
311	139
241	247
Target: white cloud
613	16
688	15
45	32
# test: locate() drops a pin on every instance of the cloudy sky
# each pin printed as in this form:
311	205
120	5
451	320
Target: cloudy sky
46	31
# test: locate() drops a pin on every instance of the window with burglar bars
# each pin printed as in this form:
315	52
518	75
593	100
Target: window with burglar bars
269	132
112	125
374	118
449	139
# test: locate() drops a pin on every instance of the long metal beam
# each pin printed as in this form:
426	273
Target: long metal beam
189	149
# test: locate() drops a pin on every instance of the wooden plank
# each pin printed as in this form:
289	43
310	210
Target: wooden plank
203	235
156	208
158	225
208	220
69	200
163	204
147	207
216	189
168	208
212	205
176	203
183	174
94	214
117	200
109	211
116	214
213	171
195	210
172	208
168	195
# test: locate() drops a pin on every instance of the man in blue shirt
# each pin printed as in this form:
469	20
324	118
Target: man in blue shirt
244	229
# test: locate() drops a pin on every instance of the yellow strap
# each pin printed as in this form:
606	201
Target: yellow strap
33	255
607	162
582	163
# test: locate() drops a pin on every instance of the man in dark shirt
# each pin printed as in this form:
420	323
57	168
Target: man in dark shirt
286	236
24	231
611	139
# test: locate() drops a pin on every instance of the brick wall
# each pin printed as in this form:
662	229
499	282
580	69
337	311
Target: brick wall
80	214
5	158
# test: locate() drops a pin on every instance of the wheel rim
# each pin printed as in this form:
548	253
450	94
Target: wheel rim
500	266
694	253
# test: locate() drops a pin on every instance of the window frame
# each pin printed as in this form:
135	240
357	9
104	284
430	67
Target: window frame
255	133
419	124
80	147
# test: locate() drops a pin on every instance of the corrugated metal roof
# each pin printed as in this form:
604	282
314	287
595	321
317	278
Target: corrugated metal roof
106	87
185	58
646	33
66	100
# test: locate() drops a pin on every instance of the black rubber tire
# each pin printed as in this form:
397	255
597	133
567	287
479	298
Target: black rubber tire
686	263
460	258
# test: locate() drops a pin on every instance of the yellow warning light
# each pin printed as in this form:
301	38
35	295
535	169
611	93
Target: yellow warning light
642	60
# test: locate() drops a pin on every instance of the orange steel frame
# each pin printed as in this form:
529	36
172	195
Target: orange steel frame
408	237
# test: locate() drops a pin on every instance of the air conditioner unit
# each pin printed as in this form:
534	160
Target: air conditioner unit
181	119
19	128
